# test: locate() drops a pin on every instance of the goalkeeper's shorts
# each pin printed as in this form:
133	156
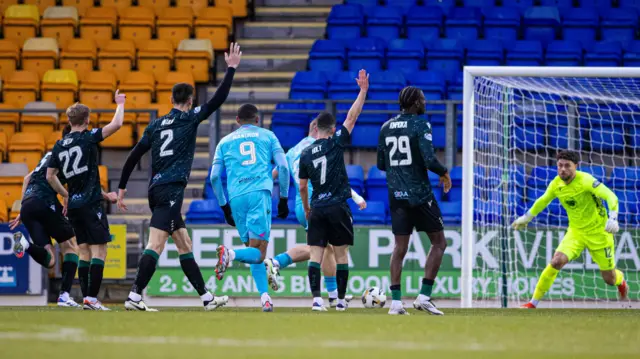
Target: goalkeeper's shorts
600	245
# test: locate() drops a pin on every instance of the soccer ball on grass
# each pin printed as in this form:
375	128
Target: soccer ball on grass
374	297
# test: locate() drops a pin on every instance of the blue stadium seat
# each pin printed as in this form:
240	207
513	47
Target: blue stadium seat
308	85
631	56
541	23
598	172
580	25
385	85
629	206
364	3
624	177
440	136
598	136
525	53
327	55
445	4
384	22
523	5
480	3
485	53
541	177
560	4
451	212
558	136
375	213
434	180
376	186
287	112
405	55
619	24
502	23
365	135
463	23
445	56
489	210
343	86
432	84
634	137
599	4
345	22
629	3
604	53
405	5
529	138
356	178
289	134
455	194
564	53
424	23
366	53
204	212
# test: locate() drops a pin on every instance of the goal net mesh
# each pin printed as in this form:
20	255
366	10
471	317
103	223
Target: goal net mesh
519	125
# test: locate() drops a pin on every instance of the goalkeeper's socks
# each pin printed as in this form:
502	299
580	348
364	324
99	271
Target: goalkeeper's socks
619	277
282	260
192	271
545	282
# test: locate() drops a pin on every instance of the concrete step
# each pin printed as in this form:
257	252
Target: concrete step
284	29
301	2
261	78
278	62
283	13
248	93
260	46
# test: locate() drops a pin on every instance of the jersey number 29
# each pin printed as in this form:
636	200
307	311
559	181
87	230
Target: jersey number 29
402	145
65	157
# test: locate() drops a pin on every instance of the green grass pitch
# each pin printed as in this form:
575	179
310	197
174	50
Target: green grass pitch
230	333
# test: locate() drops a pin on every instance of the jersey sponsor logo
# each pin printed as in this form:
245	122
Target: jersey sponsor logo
197	109
76	197
157	177
67	141
430	203
322	196
99	215
171	203
93	131
401	124
596	183
167	122
400	194
570	202
247	179
316	149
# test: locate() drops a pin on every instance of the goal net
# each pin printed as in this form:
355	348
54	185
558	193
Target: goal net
515	120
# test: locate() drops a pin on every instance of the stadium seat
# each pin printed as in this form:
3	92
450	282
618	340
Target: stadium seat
541	176
384	22
432	84
343	86
52	139
238	7
619	24
60	23
501	23
9	57
60	87
195	56
374	214
541	23
98	87
405	55
424	23
4	146
558	136
485	53
560	4
155	56
364	3
104	178
405	5
195	5
80	5
309	85
451	212
157	6
117	56
629	206
137	24
463	23
20	23
9	121
119	5
446	56
26	147
144	118
345	22
599	172
386	85
631	57
139	87
327	55
215	24
599	4
356	178
624	177
444	4
123	138
529	138
20	88
79	55
365	53
15	210
175	24
293	114
11	178
4	4
564	53
204	212
44	122
376	186
288	134
291	203
99	24
166	82
40	54
604	53
480	3
525	53
602	137
580	25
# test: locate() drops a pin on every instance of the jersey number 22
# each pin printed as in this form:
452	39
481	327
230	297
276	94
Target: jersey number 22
65	157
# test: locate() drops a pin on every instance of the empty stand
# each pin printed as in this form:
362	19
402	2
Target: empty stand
137	23
139	87
156	56
117	56
215	24
59	87
60	23
175	24
195	56
26	147
40	55
9	57
99	24
20	88
98	87
11	178
79	55
166	83
20	23
44	122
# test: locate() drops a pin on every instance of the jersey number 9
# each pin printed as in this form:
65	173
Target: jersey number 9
248	148
400	144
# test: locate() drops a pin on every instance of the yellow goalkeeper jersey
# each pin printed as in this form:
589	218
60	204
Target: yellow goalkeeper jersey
582	199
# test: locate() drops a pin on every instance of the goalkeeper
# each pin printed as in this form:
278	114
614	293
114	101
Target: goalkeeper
581	196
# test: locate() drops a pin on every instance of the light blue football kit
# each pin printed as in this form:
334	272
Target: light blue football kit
293	161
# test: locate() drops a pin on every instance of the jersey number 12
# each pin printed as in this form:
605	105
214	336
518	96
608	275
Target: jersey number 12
400	144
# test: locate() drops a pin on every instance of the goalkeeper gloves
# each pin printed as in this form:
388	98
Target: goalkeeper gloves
612	223
283	208
226	209
522	221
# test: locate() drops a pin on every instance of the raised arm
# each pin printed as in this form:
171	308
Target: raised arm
356	108
233	60
118	117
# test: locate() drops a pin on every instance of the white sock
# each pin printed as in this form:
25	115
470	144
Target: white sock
318	300
206	297
25	243
91	299
135	296
64	296
276	263
333	294
396	304
423	298
232	255
265	298
343	302
535	302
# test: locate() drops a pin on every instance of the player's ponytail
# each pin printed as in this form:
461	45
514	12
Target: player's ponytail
409	96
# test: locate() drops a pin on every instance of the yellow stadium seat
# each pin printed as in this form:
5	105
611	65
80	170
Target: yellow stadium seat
21	23
215	24
156	5
238	7
3	146
40	54
104	177
137	24
4	212
9	121
124	137
44	122
15	209
9	56
11	178
80	5
26	147
52	139
60	23
59	87
41	4
99	24
195	56
174	24
120	5
165	84
98	87
4	4
117	56
196	5
139	87
144	118
20	88
155	56
79	55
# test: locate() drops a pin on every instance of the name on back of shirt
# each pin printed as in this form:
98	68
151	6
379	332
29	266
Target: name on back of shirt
167	122
245	135
316	149
400	124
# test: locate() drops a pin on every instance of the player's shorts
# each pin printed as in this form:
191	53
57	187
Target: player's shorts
302	219
600	245
424	218
90	224
330	225
252	214
44	221
165	202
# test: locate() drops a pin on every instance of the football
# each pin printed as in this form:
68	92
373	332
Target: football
374	297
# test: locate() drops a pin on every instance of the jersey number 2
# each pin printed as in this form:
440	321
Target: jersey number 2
65	157
164	152
322	161
399	144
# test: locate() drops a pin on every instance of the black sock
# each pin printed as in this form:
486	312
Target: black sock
83	277
95	276
69	267
39	254
192	271
146	268
314	278
342	277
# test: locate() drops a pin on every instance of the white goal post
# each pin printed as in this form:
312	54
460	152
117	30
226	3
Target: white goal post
514	121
